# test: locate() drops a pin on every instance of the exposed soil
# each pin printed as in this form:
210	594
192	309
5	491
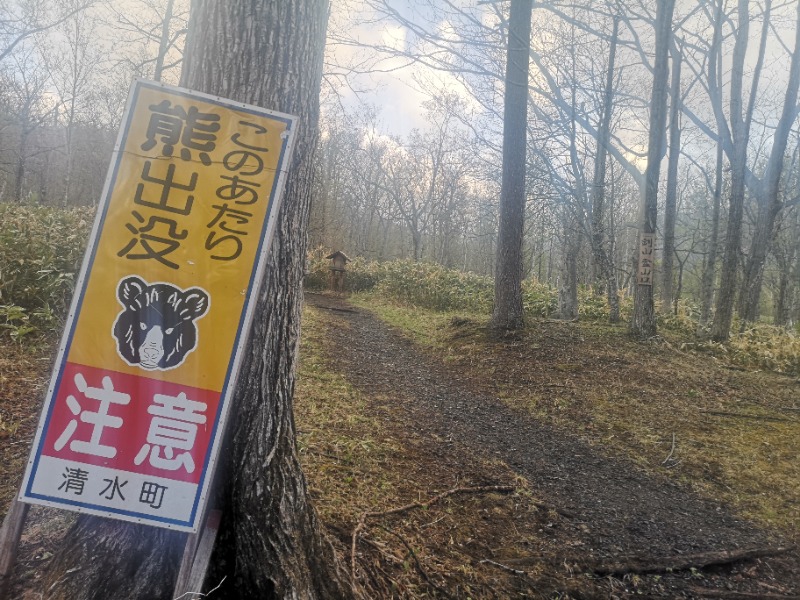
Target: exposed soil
595	509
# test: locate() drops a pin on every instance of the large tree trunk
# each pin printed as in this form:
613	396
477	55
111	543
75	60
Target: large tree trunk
267	53
507	313
643	323
602	256
769	203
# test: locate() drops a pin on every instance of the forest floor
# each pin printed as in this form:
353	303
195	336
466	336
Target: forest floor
565	462
419	414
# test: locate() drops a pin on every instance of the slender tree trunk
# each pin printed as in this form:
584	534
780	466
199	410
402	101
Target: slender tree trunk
268	53
163	45
769	203
671	197
568	290
416	243
789	263
602	257
788	315
723	315
22	157
740	133
710	264
573	215
507	313
679	288
643	323
789	269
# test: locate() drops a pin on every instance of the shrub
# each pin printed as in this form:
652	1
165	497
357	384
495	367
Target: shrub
432	286
41	249
362	275
684	322
538	299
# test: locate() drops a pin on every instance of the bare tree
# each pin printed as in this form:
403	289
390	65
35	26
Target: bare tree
735	140
643	321
712	246
671	196
600	242
154	31
787	256
29	113
72	72
769	199
23	19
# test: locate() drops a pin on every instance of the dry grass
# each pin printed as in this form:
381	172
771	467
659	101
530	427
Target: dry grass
22	382
346	449
360	454
736	433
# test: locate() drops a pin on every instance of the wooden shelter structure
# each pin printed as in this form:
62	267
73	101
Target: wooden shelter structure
339	261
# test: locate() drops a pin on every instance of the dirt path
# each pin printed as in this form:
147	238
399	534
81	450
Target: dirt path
615	507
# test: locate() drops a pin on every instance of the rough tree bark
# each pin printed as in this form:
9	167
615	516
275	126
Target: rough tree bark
602	257
643	322
267	53
769	202
507	313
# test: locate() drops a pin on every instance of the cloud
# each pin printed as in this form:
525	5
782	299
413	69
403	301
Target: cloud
395	84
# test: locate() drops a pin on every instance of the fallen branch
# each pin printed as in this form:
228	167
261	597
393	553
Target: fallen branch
362	521
682	562
502	566
422	571
671	450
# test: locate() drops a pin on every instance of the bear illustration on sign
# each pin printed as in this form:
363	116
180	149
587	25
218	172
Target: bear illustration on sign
156	329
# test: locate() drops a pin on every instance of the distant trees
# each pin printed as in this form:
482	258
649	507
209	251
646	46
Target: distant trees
589	100
21	20
723	209
600	239
768	198
65	70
